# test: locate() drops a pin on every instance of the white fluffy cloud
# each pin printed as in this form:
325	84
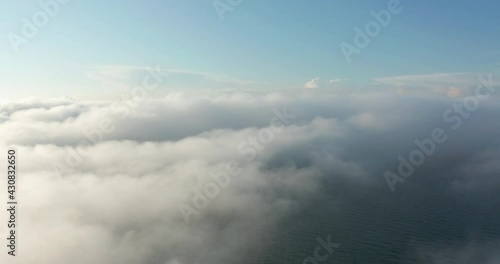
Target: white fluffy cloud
119	201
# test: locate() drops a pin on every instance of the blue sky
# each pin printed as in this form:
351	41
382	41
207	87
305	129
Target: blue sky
260	44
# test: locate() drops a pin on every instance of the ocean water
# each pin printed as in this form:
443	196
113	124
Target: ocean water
419	223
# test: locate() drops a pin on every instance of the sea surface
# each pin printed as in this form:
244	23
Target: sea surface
418	223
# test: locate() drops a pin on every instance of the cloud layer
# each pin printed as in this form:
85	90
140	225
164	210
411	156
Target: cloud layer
101	182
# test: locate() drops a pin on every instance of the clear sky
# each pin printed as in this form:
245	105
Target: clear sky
259	44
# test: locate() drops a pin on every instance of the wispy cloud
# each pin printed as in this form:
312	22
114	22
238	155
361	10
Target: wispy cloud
312	84
123	76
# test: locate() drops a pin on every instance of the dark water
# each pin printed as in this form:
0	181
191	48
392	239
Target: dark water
374	225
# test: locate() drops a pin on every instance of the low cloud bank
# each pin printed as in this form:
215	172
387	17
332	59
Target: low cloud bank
102	182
